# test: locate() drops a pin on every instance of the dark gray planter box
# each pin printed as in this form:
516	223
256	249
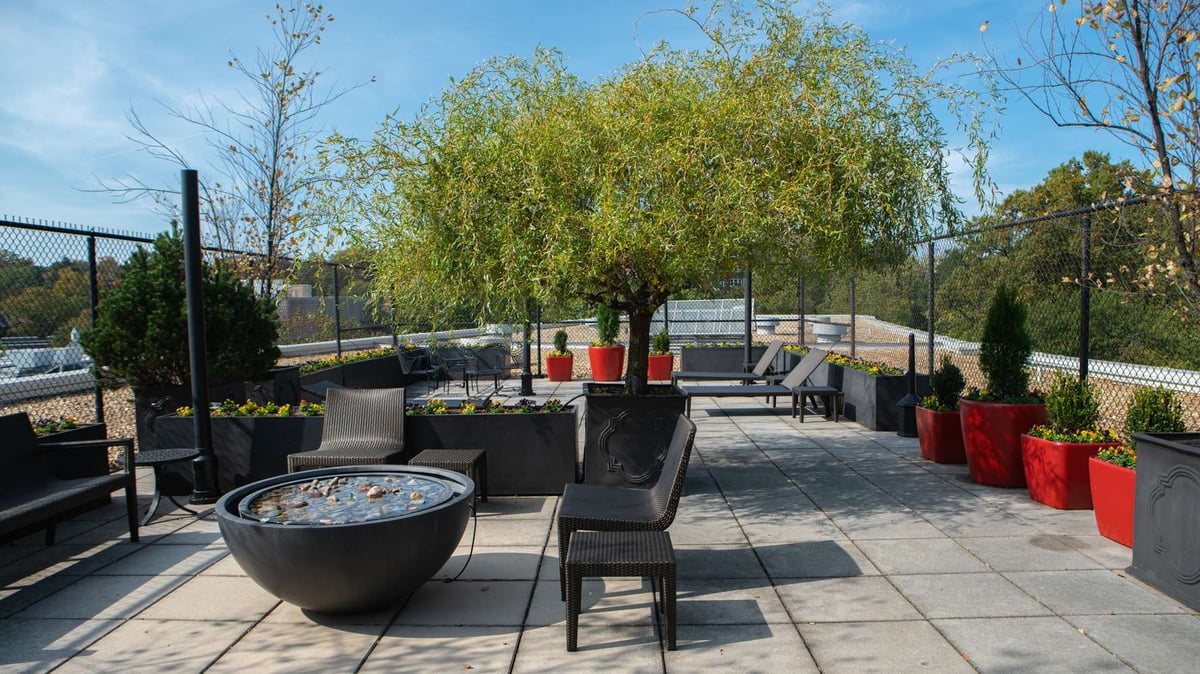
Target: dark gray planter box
74	463
144	398
247	448
373	373
826	374
626	437
718	359
332	375
1166	538
871	400
526	453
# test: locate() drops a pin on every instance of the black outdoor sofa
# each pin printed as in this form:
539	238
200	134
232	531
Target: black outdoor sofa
36	492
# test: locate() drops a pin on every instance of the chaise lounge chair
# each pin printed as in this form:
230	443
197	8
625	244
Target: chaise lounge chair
759	373
794	384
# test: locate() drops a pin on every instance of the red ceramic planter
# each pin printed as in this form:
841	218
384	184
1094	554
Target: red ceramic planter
559	368
1112	496
992	438
660	367
1057	472
607	362
940	434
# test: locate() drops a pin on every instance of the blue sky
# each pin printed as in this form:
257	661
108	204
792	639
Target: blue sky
72	68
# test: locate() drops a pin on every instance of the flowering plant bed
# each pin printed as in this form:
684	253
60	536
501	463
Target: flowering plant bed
229	408
531	449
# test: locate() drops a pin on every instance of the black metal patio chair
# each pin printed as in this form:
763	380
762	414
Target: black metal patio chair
588	507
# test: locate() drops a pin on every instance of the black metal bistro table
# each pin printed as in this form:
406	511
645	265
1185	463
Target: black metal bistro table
156	459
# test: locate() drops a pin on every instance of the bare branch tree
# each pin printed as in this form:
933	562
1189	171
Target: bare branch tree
265	177
1127	67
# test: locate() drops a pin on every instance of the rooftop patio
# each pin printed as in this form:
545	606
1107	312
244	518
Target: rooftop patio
801	547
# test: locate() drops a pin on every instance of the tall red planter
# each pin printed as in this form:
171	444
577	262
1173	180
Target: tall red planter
607	362
992	438
940	435
559	368
660	367
1057	472
1113	490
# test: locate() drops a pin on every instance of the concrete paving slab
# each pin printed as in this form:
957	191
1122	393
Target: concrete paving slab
920	555
295	647
226	566
68	559
739	648
166	560
408	648
981	521
828	558
717	561
1110	554
505	532
967	595
290	613
1092	592
492	563
885	647
234	598
40	645
1167	644
862	599
728	602
152	646
519	508
608	601
1027	645
634	649
14	598
884	525
468	602
100	597
1042	552
763	532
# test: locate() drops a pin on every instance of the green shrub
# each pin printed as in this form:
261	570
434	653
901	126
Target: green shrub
1005	346
1154	410
141	332
560	343
608	324
661	345
1071	404
947	383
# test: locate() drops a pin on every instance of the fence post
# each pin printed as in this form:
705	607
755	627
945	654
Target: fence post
337	311
853	321
1085	294
929	315
93	301
538	310
800	309
748	304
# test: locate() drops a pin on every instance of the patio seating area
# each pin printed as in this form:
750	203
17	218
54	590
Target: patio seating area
800	547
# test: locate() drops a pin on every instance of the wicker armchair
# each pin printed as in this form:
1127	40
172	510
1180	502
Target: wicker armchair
587	507
362	426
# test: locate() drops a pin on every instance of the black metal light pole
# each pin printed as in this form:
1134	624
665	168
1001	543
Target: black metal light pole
907	428
526	374
748	299
93	303
204	467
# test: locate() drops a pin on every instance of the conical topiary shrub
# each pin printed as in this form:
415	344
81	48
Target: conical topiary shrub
1005	346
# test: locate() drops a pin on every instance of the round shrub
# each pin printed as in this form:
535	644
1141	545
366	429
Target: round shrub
947	383
1154	410
1071	404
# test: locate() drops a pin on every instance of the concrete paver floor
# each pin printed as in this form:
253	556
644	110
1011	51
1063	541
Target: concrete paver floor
802	548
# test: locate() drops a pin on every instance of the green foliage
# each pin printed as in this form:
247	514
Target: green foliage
1154	410
608	324
1005	346
1071	404
947	383
141	330
662	343
523	181
1122	455
560	343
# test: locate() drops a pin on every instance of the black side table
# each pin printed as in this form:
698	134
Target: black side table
156	459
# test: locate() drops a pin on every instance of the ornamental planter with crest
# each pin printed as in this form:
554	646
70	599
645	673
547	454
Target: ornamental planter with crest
992	438
1166	539
1057	472
626	437
1112	498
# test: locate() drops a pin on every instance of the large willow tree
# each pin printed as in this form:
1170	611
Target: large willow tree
790	140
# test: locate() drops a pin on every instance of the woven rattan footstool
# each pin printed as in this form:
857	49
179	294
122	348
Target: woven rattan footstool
638	554
470	462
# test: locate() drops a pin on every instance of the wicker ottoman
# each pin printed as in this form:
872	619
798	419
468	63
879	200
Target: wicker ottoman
470	462
638	554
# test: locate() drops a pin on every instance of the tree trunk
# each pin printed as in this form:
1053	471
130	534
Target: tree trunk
639	350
